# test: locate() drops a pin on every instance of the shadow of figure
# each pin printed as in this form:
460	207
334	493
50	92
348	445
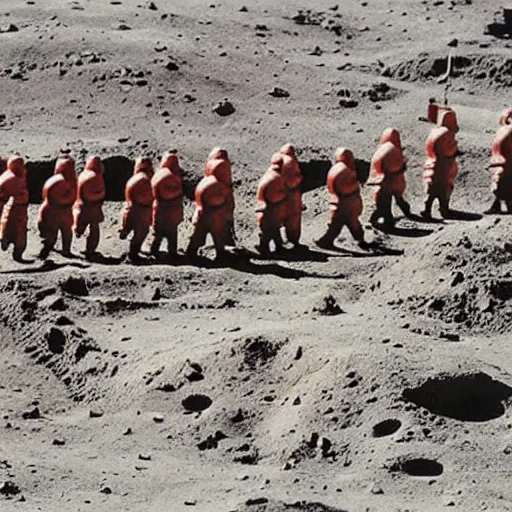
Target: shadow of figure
47	266
375	249
412	232
460	215
241	261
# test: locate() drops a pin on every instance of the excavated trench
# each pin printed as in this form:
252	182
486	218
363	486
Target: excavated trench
473	397
118	170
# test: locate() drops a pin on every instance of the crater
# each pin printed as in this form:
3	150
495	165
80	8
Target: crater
420	467
386	428
475	397
196	403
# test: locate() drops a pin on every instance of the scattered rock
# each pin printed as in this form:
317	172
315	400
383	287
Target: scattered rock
123	26
59	442
95	413
256	501
376	489
298	354
212	442
144	456
329	307
152	6
158	418
224	108
9	488
454	43
10	28
75	286
348	103
449	336
32	414
172	66
278	92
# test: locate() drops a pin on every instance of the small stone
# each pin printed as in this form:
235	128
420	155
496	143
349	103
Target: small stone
454	43
152	6
278	92
172	66
243	9
59	442
224	108
9	488
376	489
10	28
256	501
158	418
95	413
128	432
123	26
32	414
144	456
106	490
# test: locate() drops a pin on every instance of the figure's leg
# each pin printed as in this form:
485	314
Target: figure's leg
155	245
93	239
139	235
172	241
334	227
49	234
198	239
404	206
293	228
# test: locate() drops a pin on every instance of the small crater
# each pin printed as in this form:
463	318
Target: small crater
473	397
196	403
386	428
419	467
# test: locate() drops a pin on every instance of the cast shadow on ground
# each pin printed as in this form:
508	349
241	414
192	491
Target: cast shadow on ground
46	266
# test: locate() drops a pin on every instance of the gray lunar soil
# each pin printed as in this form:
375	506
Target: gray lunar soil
327	381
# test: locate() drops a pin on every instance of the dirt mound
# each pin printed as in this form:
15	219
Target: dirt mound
265	505
494	70
475	397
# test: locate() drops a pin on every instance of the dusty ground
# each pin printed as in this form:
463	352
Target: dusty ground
247	387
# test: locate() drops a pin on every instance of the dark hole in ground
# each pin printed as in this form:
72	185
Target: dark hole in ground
314	174
469	397
196	403
37	173
421	467
386	428
502	290
56	340
118	170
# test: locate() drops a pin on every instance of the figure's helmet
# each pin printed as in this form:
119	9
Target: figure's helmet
171	161
506	117
143	165
448	118
276	162
218	153
65	165
222	171
16	165
289	150
95	164
345	156
391	135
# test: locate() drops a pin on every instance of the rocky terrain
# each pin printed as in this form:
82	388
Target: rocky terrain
322	381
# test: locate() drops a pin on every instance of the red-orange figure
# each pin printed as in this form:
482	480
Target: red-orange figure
56	212
501	164
441	164
345	204
387	174
213	214
137	214
13	185
272	210
167	204
87	210
216	154
292	178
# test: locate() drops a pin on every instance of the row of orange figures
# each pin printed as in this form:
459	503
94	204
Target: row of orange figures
73	203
